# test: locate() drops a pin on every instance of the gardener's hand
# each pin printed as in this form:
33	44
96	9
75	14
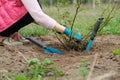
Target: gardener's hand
75	35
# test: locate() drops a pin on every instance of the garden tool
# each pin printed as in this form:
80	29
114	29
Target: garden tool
96	27
48	50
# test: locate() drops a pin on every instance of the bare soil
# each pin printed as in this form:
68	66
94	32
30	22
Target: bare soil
14	58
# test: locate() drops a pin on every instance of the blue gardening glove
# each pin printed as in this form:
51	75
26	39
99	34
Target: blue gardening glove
75	36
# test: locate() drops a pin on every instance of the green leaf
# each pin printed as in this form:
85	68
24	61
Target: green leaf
19	78
47	61
34	61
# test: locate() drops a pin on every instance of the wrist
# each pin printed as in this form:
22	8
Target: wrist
59	28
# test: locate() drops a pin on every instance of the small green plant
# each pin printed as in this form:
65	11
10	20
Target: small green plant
116	52
83	69
38	70
43	68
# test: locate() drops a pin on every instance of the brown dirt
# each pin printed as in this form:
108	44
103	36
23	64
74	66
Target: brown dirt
13	58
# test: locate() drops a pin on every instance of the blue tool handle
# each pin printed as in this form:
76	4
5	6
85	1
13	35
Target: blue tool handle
96	27
37	42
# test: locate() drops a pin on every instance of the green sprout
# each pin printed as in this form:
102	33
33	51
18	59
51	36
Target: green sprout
116	52
83	69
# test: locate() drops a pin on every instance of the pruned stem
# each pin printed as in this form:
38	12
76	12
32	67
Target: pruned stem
77	10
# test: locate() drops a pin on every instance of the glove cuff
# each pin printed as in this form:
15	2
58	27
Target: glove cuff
67	32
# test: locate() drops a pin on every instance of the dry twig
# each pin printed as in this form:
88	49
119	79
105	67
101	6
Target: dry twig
92	68
23	56
107	75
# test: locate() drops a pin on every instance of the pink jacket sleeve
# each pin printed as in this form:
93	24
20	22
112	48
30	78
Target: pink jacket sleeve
38	15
